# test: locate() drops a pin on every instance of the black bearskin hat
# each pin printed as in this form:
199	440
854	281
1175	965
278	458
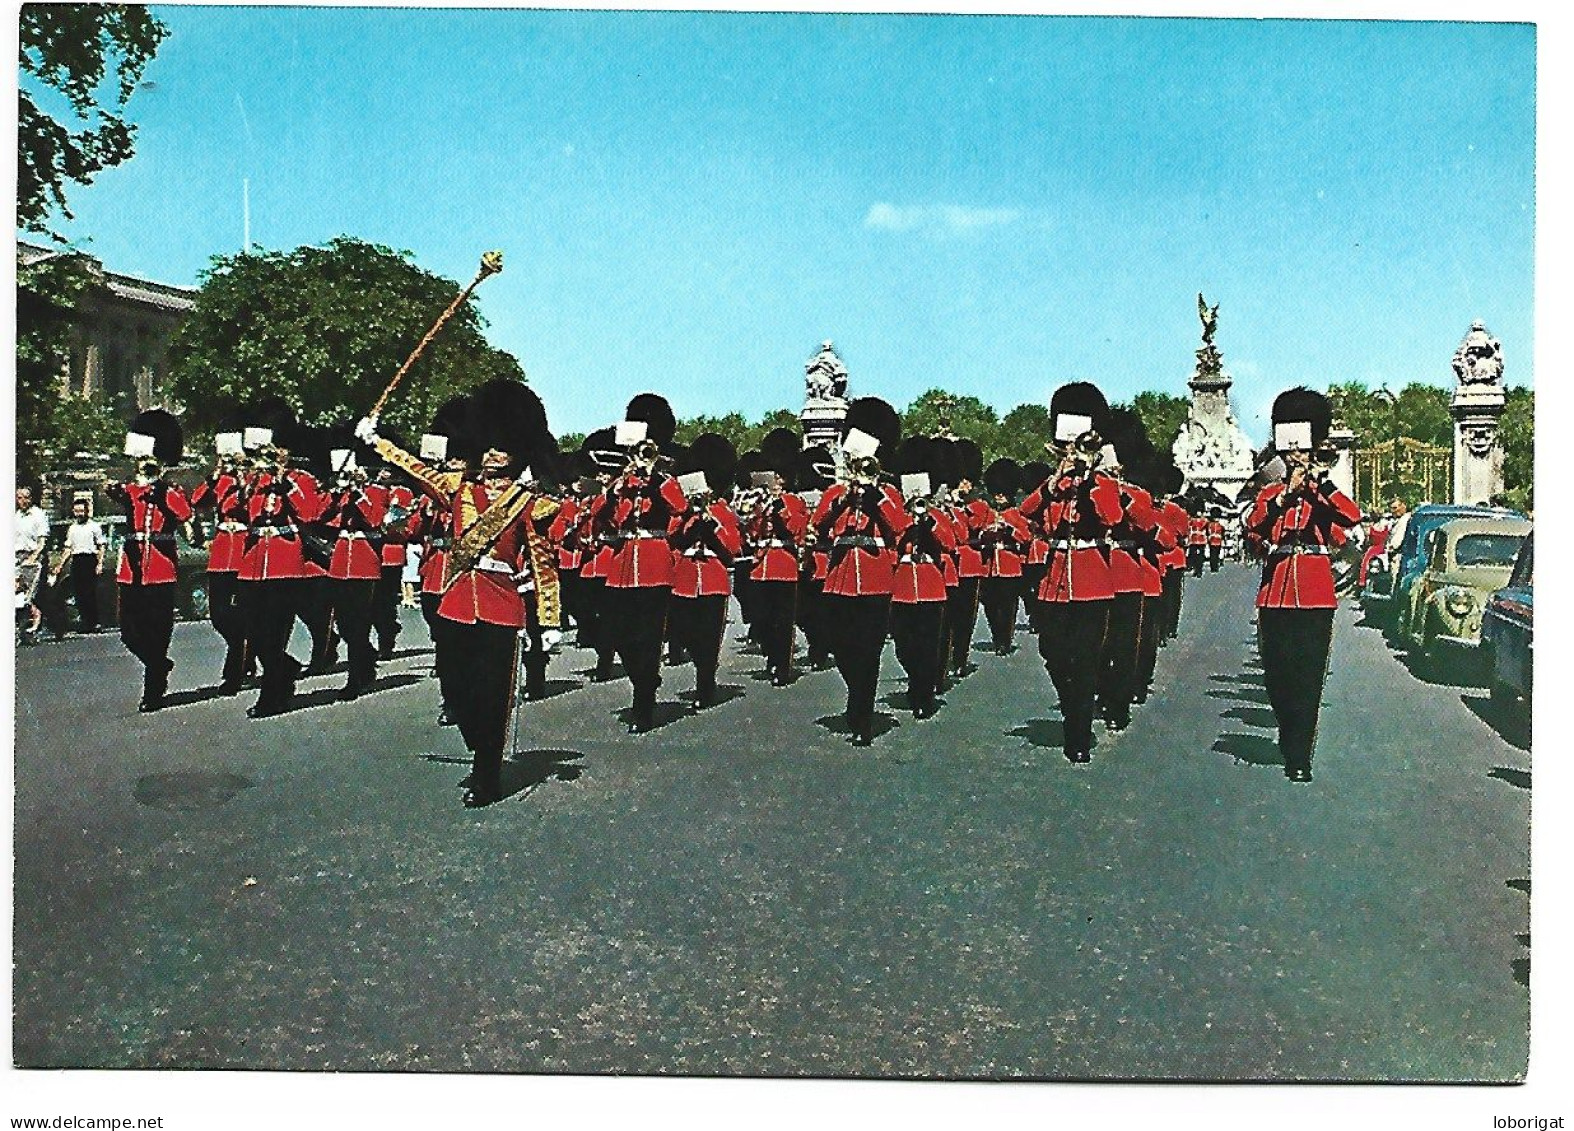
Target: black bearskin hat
876	417
507	416
715	455
813	469
273	413
780	448
1302	404
452	420
970	460
1125	430
601	452
1080	398
1003	477
653	409
945	464
913	456
168	440
1034	473
748	464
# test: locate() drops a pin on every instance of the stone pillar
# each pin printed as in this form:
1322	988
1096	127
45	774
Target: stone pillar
1477	408
825	399
1343	473
822	424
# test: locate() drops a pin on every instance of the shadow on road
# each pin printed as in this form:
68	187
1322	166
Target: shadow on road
1048	734
837	724
725	693
666	713
1519	779
1510	721
590	672
325	696
185	791
552	688
192	696
1260	717
527	769
1257	749
1521	966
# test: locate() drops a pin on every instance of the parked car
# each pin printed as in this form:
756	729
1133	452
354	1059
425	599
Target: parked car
1506	638
1406	565
1467	560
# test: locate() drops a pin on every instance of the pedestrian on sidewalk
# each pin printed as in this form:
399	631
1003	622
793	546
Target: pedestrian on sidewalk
84	554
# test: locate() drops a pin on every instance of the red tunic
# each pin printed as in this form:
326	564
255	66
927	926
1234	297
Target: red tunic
155	512
1215	533
426	525
488	593
703	551
862	539
1128	538
1074	514
226	494
1198	532
922	548
1298	533
1177	523
1003	543
277	507
972	519
645	513
400	499
356	514
564	533
776	531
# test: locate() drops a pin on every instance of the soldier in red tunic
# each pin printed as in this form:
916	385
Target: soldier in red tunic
1178	523
356	512
1004	542
1075	509
814	470
224	492
498	523
918	589
860	520
155	510
707	539
1215	543
642	507
776	530
281	502
969	518
602	460
446	447
392	540
1299	522
1035	563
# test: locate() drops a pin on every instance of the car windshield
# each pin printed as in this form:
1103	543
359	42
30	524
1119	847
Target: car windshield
1487	549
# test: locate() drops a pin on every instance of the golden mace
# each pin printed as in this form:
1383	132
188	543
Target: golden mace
491	264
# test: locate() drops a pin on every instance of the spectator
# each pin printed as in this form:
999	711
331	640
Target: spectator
32	536
85	555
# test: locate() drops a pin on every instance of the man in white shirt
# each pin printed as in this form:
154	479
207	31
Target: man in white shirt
84	555
32	535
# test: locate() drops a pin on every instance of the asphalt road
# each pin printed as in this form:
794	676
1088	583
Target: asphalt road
744	892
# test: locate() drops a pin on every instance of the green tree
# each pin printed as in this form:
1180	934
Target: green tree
936	409
80	65
1162	415
1517	432
325	328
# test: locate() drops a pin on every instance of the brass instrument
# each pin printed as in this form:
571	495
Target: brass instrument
1084	450
646	458
862	471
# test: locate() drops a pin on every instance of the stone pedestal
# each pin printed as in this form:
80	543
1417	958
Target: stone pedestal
1477	408
1342	440
1478	454
822	423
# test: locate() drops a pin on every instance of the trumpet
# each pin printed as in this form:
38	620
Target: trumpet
862	471
1084	450
646	457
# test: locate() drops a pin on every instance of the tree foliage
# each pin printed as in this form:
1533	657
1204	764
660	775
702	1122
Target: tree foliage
325	328
88	59
1162	415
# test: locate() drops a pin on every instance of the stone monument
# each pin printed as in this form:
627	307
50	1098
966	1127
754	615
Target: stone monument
824	398
1211	449
1477	408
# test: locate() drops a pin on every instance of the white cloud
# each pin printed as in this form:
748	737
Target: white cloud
937	219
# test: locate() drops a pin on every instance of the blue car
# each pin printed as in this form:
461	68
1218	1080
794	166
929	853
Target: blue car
1506	631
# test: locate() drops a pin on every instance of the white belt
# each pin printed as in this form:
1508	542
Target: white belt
775	544
1298	548
492	565
699	552
649	534
352	534
232	527
1077	544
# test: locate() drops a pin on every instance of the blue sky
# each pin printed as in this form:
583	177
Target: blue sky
691	202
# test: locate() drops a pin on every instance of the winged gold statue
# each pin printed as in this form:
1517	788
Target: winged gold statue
1210	318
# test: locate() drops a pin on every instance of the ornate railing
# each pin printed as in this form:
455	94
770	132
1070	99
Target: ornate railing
1414	470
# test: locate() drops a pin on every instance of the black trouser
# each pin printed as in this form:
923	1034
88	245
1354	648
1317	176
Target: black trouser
999	597
1194	557
857	627
385	606
1117	682
314	605
775	617
603	624
533	654
440	630
1293	645
1148	646
352	609
147	621
917	629
84	587
697	626
1071	640
1032	578
1215	555
1174	588
961	617
569	587
484	660
743	588
270	608
225	614
639	619
811	618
